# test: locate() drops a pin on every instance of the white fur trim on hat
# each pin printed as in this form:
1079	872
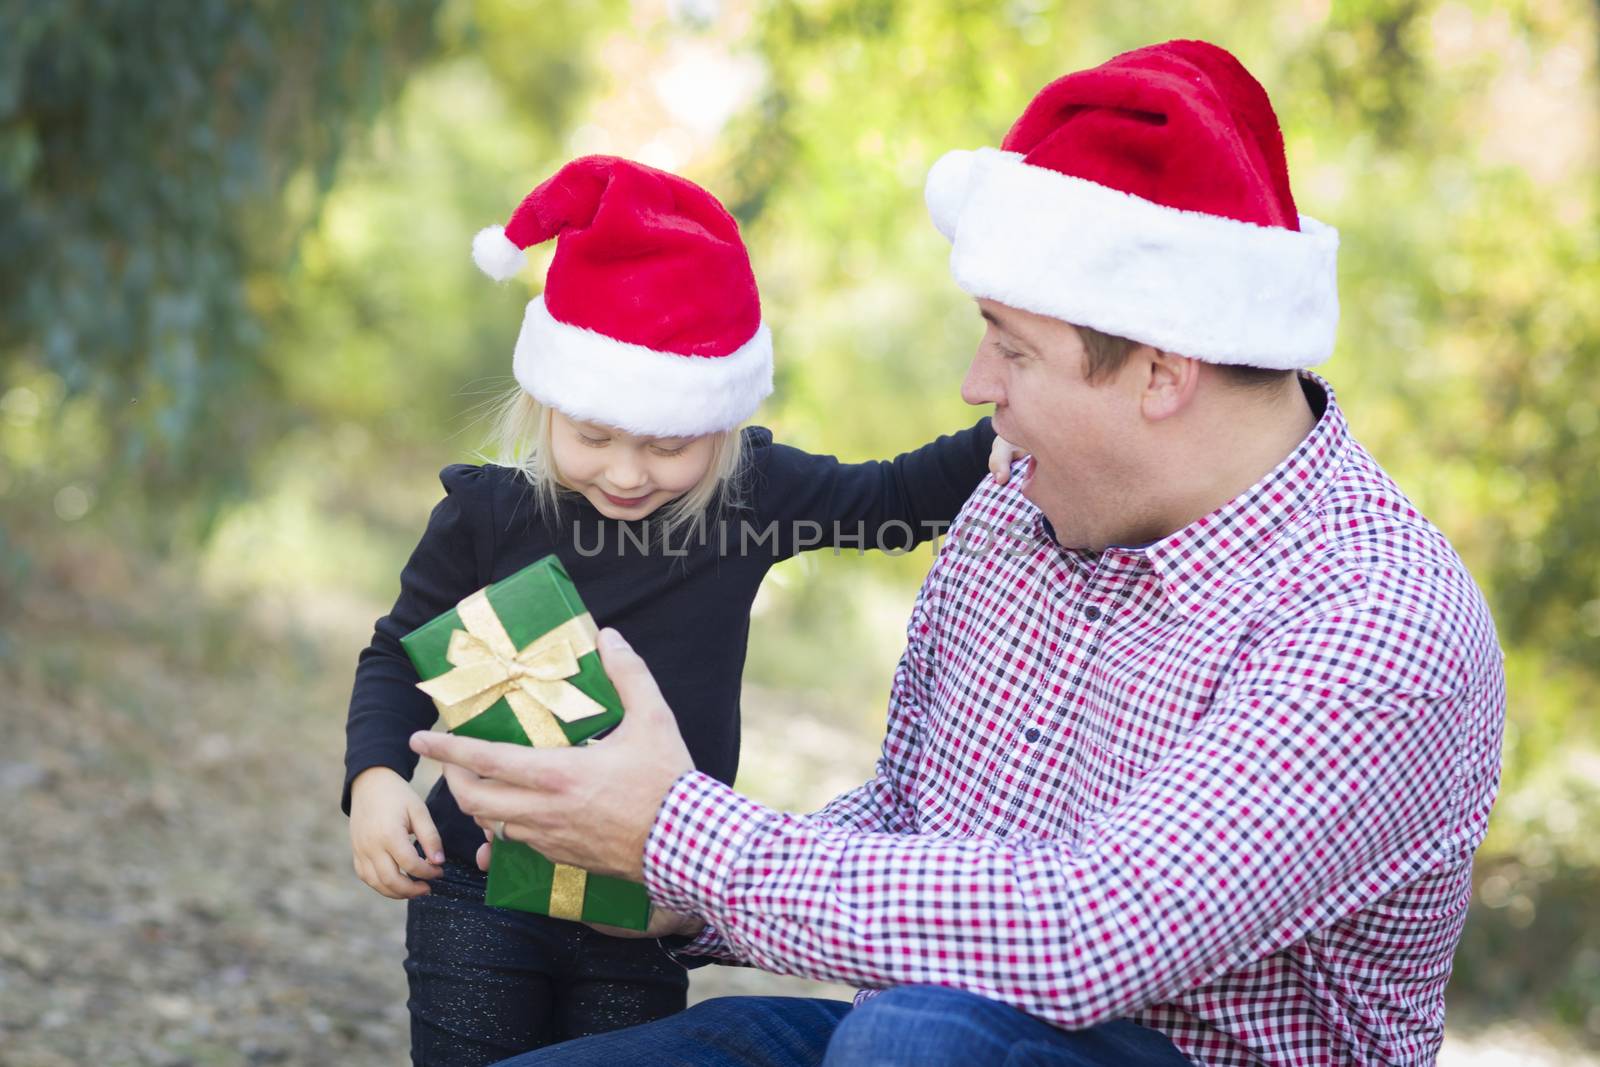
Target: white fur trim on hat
1197	285
949	182
495	255
587	375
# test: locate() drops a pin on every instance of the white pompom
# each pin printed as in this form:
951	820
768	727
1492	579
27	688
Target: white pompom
949	180
495	255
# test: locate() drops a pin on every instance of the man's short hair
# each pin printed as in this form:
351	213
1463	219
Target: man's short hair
1107	354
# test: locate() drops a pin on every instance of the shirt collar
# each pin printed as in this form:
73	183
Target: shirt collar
1220	546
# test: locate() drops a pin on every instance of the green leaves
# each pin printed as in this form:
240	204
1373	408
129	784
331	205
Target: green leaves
144	151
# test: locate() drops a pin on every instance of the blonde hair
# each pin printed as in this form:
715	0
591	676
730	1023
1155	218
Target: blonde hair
521	439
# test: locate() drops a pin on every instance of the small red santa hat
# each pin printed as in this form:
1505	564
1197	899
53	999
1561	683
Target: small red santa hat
1148	198
650	320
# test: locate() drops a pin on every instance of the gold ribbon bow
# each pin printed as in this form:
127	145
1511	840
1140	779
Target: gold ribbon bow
486	665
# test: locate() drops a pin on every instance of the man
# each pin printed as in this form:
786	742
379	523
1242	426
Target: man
1198	724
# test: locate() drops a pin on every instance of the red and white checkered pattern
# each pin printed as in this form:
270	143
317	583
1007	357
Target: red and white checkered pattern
1228	785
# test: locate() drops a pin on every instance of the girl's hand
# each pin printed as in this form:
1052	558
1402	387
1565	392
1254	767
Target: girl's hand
385	813
1001	455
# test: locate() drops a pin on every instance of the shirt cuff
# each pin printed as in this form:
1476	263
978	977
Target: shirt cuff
705	947
701	828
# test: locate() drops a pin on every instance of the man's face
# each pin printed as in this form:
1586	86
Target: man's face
1084	437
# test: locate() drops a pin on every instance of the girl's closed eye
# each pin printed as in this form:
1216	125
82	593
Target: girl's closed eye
669	450
593	442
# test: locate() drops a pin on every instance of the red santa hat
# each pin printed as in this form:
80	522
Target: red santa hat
650	320
1148	198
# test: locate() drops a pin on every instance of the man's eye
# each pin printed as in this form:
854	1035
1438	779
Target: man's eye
1009	353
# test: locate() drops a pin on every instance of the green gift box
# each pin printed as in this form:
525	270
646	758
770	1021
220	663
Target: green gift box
516	662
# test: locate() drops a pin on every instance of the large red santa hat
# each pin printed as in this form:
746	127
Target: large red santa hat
1148	198
650	321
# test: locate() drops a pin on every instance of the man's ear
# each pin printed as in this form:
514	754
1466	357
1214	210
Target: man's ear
1170	383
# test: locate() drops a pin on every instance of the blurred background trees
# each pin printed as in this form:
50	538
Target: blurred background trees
240	330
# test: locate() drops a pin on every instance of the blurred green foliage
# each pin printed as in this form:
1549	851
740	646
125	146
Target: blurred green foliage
254	219
154	160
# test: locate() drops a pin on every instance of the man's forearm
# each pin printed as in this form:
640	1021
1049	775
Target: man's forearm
1170	889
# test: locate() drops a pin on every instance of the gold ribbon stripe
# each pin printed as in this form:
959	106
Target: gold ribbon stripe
567	885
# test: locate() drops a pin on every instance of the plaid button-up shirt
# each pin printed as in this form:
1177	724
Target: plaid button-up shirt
1228	784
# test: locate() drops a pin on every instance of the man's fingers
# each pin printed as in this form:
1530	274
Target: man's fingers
641	697
488	801
468	752
483	856
486	759
618	931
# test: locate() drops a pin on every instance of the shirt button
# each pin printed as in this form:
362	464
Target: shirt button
1032	733
1091	613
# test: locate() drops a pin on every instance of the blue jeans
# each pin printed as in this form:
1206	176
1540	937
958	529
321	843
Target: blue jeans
910	1026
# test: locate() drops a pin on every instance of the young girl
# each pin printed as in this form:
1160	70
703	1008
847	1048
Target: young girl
624	457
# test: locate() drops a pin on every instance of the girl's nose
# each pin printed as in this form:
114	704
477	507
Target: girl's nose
626	476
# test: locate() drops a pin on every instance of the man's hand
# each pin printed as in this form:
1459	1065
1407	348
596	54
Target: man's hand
663	923
592	806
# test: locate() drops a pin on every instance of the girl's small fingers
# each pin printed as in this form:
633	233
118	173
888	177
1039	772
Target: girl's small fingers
1000	454
404	855
395	881
406	858
367	871
369	875
427	834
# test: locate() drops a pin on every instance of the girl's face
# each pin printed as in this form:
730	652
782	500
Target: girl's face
623	476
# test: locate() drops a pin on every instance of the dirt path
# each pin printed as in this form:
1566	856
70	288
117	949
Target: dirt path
178	889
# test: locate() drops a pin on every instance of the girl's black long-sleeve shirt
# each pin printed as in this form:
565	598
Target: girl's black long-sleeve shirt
683	606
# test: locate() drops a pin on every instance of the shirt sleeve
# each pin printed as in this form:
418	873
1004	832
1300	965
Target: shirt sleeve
386	706
810	501
1315	786
882	804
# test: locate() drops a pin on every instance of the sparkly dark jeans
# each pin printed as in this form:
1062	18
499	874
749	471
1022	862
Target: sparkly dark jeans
487	983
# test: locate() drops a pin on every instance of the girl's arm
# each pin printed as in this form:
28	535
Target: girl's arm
806	501
450	562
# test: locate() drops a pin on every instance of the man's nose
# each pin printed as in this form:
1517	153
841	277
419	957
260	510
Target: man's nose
982	383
